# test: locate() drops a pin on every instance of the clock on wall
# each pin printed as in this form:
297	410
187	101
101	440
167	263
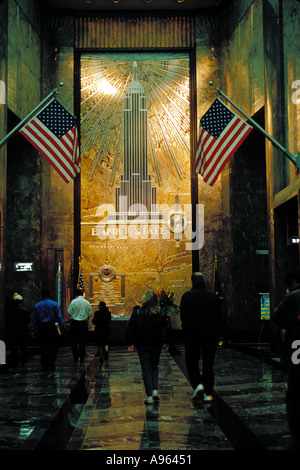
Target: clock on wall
107	273
177	222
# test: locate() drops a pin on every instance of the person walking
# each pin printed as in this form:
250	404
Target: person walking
46	318
148	330
101	320
17	323
201	317
79	312
287	317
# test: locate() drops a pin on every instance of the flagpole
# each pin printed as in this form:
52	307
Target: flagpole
21	124
79	270
215	271
291	157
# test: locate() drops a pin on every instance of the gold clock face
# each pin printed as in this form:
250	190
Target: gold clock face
107	273
177	222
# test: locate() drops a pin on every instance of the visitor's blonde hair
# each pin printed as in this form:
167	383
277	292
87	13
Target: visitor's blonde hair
150	302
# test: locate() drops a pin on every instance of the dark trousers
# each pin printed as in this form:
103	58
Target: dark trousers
78	331
293	403
201	345
18	348
149	360
48	342
101	336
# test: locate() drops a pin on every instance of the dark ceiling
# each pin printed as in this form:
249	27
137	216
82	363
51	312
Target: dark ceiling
133	4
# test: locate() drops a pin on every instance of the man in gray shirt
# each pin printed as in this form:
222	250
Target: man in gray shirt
79	311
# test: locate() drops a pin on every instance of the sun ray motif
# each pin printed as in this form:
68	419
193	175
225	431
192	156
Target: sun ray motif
104	79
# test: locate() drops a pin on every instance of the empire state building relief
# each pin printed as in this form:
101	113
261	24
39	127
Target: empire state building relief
136	197
135	172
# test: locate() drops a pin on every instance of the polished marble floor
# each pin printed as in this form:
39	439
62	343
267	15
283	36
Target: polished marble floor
94	406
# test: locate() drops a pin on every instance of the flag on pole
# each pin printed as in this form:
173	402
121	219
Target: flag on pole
68	298
220	135
80	284
53	132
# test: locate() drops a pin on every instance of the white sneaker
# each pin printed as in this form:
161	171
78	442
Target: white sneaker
155	395
207	398
148	400
198	392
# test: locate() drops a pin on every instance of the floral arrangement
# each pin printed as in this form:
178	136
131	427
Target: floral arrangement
167	304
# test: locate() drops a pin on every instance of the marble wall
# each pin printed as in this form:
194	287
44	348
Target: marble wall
281	28
39	222
244	179
259	68
208	69
3	152
23	173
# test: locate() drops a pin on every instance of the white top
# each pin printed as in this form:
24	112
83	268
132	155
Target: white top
80	309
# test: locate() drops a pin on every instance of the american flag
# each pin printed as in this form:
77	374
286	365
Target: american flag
53	132
220	135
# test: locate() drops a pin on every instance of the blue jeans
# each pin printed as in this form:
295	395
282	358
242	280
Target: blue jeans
149	360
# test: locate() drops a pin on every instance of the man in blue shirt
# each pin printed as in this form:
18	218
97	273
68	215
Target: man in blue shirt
45	319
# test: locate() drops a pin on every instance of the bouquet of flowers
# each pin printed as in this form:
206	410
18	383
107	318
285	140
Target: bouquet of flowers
167	304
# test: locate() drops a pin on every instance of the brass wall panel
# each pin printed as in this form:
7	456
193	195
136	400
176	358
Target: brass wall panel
137	148
138	32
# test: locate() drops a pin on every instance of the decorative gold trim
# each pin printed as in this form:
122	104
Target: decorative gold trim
135	32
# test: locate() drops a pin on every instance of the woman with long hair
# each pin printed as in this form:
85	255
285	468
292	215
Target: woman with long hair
148	330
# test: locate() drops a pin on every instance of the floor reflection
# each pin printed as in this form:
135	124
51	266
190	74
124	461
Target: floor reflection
150	437
100	406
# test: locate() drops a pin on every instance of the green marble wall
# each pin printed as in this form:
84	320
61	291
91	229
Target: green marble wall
39	225
23	196
243	181
3	154
259	65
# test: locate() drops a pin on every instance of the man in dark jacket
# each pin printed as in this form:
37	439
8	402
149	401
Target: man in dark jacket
287	316
201	318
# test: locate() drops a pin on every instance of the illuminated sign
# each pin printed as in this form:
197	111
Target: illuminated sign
23	267
265	306
2	353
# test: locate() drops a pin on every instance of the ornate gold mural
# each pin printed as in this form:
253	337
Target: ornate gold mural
135	145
